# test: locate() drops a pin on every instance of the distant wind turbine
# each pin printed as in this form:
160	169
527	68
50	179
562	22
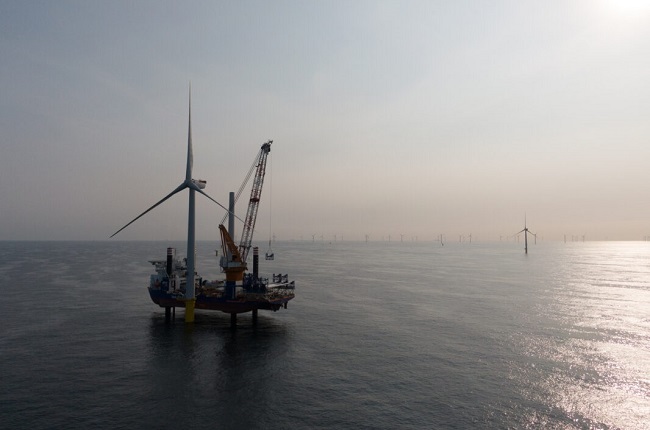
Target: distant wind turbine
526	231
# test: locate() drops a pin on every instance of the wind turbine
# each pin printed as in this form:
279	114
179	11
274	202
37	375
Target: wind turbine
526	231
193	185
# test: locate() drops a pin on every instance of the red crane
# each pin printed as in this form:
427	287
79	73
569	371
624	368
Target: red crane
235	262
254	202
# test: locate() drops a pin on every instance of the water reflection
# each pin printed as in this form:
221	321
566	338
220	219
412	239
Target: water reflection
589	359
208	372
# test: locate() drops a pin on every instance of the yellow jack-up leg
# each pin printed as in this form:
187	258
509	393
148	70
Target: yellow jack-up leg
189	310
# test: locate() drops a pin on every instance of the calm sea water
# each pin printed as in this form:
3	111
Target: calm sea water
380	335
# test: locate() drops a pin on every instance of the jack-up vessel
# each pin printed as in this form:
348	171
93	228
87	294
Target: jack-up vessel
175	282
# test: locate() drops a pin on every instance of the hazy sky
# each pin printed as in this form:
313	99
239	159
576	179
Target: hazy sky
388	117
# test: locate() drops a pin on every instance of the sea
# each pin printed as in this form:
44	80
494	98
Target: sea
380	335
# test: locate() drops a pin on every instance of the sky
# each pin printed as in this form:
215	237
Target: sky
402	119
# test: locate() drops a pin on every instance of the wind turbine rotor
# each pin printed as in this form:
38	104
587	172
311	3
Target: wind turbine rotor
192	184
181	187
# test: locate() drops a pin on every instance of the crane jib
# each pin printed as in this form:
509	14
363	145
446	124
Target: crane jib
253	205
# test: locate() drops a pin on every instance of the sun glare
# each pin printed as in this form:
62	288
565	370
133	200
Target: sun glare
628	7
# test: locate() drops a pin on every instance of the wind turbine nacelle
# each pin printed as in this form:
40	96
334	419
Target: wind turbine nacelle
199	183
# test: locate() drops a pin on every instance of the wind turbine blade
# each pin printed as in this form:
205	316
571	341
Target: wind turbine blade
203	192
190	157
179	188
520	231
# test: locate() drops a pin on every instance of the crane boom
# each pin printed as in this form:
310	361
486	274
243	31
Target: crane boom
254	202
231	262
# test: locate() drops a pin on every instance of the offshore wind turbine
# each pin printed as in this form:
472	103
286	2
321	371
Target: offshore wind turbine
194	186
526	231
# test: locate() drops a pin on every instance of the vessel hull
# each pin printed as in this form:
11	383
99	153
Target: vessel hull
236	306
